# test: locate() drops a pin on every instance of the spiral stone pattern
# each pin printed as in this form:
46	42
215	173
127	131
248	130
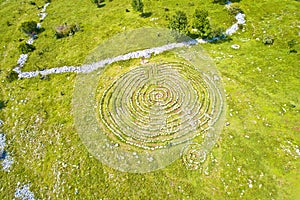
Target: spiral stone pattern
157	106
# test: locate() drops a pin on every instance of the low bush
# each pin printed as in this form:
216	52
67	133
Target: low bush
12	76
292	46
179	22
137	5
66	30
29	28
201	23
25	48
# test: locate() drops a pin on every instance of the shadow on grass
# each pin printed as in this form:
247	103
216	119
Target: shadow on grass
40	30
2	104
12	76
101	5
193	35
223	2
219	40
146	14
3	155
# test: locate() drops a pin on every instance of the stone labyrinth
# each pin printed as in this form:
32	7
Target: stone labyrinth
154	107
143	117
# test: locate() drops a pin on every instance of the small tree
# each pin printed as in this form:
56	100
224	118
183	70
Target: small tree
26	48
179	22
29	28
138	5
201	23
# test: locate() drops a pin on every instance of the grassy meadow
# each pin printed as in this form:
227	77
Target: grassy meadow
256	156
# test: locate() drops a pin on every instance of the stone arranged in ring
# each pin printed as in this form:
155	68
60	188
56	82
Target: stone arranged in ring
155	106
139	117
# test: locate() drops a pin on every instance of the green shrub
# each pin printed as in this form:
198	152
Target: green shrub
66	30
292	46
26	48
137	5
217	36
201	23
179	22
29	27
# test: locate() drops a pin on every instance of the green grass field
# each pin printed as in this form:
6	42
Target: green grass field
256	156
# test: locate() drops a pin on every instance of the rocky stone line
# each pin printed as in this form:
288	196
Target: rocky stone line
5	158
23	192
137	54
23	57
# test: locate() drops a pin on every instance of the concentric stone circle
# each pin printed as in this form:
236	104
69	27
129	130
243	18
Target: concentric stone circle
139	117
155	106
193	155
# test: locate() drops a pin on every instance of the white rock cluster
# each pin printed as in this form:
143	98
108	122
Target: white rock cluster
42	16
45	7
24	193
30	40
7	162
43	13
232	29
7	159
2	143
240	20
27	74
22	59
235	46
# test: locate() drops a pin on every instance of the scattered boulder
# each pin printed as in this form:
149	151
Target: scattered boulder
235	46
268	40
66	30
